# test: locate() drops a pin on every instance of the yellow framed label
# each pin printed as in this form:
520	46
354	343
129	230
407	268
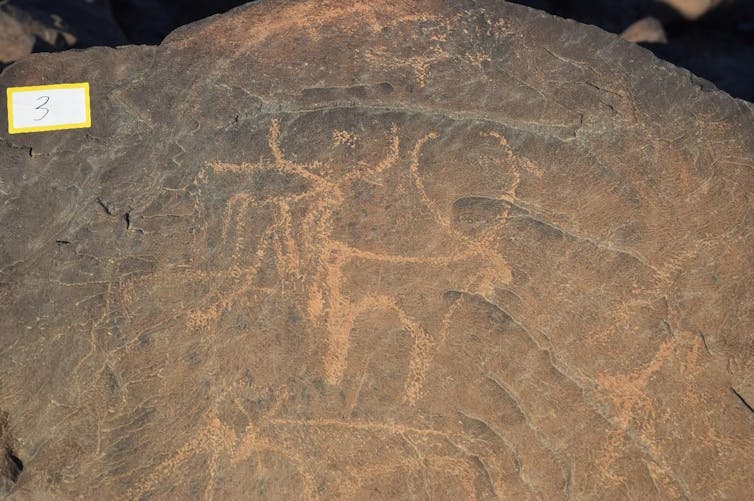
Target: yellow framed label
48	107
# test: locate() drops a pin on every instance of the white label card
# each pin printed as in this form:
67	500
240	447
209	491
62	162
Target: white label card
48	107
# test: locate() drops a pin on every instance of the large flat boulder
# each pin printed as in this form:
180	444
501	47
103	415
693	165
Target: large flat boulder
350	250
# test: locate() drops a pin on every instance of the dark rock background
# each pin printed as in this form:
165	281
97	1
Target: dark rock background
718	45
712	38
149	21
52	25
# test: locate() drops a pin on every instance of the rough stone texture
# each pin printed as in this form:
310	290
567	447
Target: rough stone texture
335	250
28	26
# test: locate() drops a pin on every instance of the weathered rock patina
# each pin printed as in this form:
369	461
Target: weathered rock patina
351	250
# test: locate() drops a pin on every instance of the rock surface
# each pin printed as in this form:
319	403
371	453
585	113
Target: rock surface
712	38
334	250
28	26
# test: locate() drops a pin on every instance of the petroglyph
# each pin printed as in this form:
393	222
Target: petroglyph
312	239
290	241
437	448
379	250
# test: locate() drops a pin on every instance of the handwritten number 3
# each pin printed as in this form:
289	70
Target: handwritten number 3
42	107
